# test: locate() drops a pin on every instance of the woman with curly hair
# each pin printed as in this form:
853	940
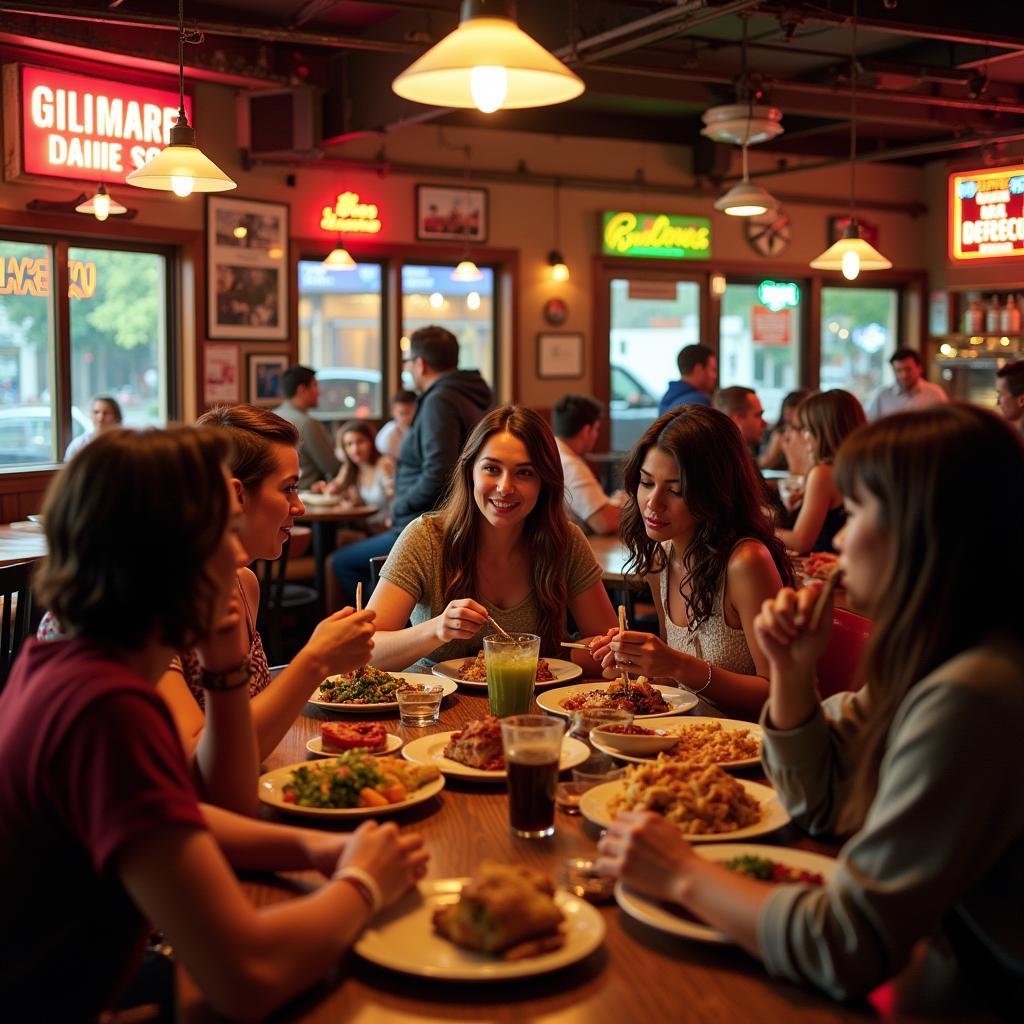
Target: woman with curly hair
698	535
500	545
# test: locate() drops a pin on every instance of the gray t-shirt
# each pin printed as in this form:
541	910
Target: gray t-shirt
414	565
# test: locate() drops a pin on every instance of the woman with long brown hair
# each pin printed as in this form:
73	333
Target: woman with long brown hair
500	545
698	535
922	764
366	476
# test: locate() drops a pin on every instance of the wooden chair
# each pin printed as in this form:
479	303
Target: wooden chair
376	564
288	611
837	666
16	617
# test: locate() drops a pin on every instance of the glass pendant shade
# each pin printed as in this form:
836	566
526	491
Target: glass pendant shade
746	199
467	270
490	63
850	255
100	205
339	258
559	268
181	167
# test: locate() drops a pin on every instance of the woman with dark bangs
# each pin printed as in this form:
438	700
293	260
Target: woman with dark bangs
698	535
921	767
500	545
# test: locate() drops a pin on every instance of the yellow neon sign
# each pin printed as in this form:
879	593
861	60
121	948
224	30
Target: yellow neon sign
30	276
350	215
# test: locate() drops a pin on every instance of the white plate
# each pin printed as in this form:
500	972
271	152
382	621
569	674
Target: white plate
37	519
730	724
420	678
430	750
681	701
315	746
594	807
271	791
317	500
657	915
402	938
563	671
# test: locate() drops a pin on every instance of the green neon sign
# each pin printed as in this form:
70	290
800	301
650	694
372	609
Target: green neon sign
778	295
662	236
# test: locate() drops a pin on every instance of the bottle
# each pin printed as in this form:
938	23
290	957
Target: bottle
992	316
1010	321
975	320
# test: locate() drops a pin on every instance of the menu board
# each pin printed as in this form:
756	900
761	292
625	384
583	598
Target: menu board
986	214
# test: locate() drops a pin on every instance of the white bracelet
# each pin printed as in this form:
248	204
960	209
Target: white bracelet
707	682
365	883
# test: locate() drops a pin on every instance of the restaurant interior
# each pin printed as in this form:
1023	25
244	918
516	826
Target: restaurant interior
197	197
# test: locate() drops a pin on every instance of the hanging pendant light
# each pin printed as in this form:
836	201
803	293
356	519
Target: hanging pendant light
100	205
339	258
852	254
181	167
745	199
490	63
559	268
467	270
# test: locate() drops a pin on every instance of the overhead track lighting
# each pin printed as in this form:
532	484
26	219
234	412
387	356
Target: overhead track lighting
181	167
490	63
100	205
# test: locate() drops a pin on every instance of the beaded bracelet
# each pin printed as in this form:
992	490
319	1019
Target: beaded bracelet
365	884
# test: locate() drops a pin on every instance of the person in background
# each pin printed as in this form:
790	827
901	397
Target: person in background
366	476
576	421
784	450
920	769
500	545
106	414
1010	388
744	408
698	535
99	820
390	436
451	403
698	372
826	420
317	461
911	391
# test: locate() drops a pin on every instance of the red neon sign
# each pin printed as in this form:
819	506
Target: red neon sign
986	213
74	126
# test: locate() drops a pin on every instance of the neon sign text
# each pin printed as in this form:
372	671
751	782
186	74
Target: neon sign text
986	213
349	214
658	235
778	295
29	276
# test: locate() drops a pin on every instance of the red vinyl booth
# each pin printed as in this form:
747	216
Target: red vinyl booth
837	667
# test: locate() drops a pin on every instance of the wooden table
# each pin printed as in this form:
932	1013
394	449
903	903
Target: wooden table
21	543
639	975
324	519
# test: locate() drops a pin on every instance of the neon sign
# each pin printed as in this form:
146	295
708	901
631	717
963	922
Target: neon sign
74	126
350	215
778	295
986	214
29	276
656	235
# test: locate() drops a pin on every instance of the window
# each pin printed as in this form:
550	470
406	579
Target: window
116	312
858	335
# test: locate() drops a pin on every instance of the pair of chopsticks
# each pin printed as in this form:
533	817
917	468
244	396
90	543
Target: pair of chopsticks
826	592
504	632
622	629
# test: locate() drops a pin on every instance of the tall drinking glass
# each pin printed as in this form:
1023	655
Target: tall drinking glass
533	747
511	672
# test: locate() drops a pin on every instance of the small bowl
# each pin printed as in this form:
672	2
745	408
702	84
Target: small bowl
634	745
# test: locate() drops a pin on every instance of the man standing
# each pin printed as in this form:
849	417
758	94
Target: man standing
576	421
910	391
317	461
744	408
451	403
698	370
1010	387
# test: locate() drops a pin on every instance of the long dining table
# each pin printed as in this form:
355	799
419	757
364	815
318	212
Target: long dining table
636	975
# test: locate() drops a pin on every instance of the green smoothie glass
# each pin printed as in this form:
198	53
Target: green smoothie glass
511	672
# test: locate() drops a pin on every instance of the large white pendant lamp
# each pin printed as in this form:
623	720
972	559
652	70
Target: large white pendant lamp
100	204
745	199
490	63
181	167
852	254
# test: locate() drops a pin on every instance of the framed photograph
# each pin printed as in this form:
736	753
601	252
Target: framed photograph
265	378
220	375
560	355
451	214
246	269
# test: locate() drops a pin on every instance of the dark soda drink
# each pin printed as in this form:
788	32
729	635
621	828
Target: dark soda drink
532	779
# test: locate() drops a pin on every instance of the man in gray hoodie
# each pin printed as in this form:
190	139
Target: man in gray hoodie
451	403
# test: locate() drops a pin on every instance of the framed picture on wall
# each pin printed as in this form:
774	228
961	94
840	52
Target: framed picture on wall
451	214
220	375
560	355
265	373
246	269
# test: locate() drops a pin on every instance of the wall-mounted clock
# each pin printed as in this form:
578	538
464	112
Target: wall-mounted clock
768	233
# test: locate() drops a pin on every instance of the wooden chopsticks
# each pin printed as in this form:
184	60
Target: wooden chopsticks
575	647
359	596
503	632
622	629
826	592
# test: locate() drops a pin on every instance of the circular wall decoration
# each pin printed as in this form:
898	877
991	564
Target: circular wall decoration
556	312
768	233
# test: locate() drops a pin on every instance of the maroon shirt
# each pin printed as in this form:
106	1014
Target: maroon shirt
89	761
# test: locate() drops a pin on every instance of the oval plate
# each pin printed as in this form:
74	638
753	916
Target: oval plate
420	678
430	750
731	724
563	671
681	700
402	938
315	746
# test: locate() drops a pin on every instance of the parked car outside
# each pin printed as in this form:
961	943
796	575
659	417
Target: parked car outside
348	392
26	434
632	409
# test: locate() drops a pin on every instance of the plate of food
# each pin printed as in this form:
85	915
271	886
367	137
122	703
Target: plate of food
507	921
704	802
337	737
644	699
775	864
370	689
475	751
471	672
317	499
722	741
355	784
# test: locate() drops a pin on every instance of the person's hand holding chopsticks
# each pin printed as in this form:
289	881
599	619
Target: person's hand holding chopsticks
461	620
640	654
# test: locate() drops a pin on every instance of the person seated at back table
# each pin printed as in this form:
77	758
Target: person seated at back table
698	373
1010	389
106	414
910	390
698	535
779	452
366	476
390	436
744	408
500	545
576	421
826	420
101	836
920	769
317	461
